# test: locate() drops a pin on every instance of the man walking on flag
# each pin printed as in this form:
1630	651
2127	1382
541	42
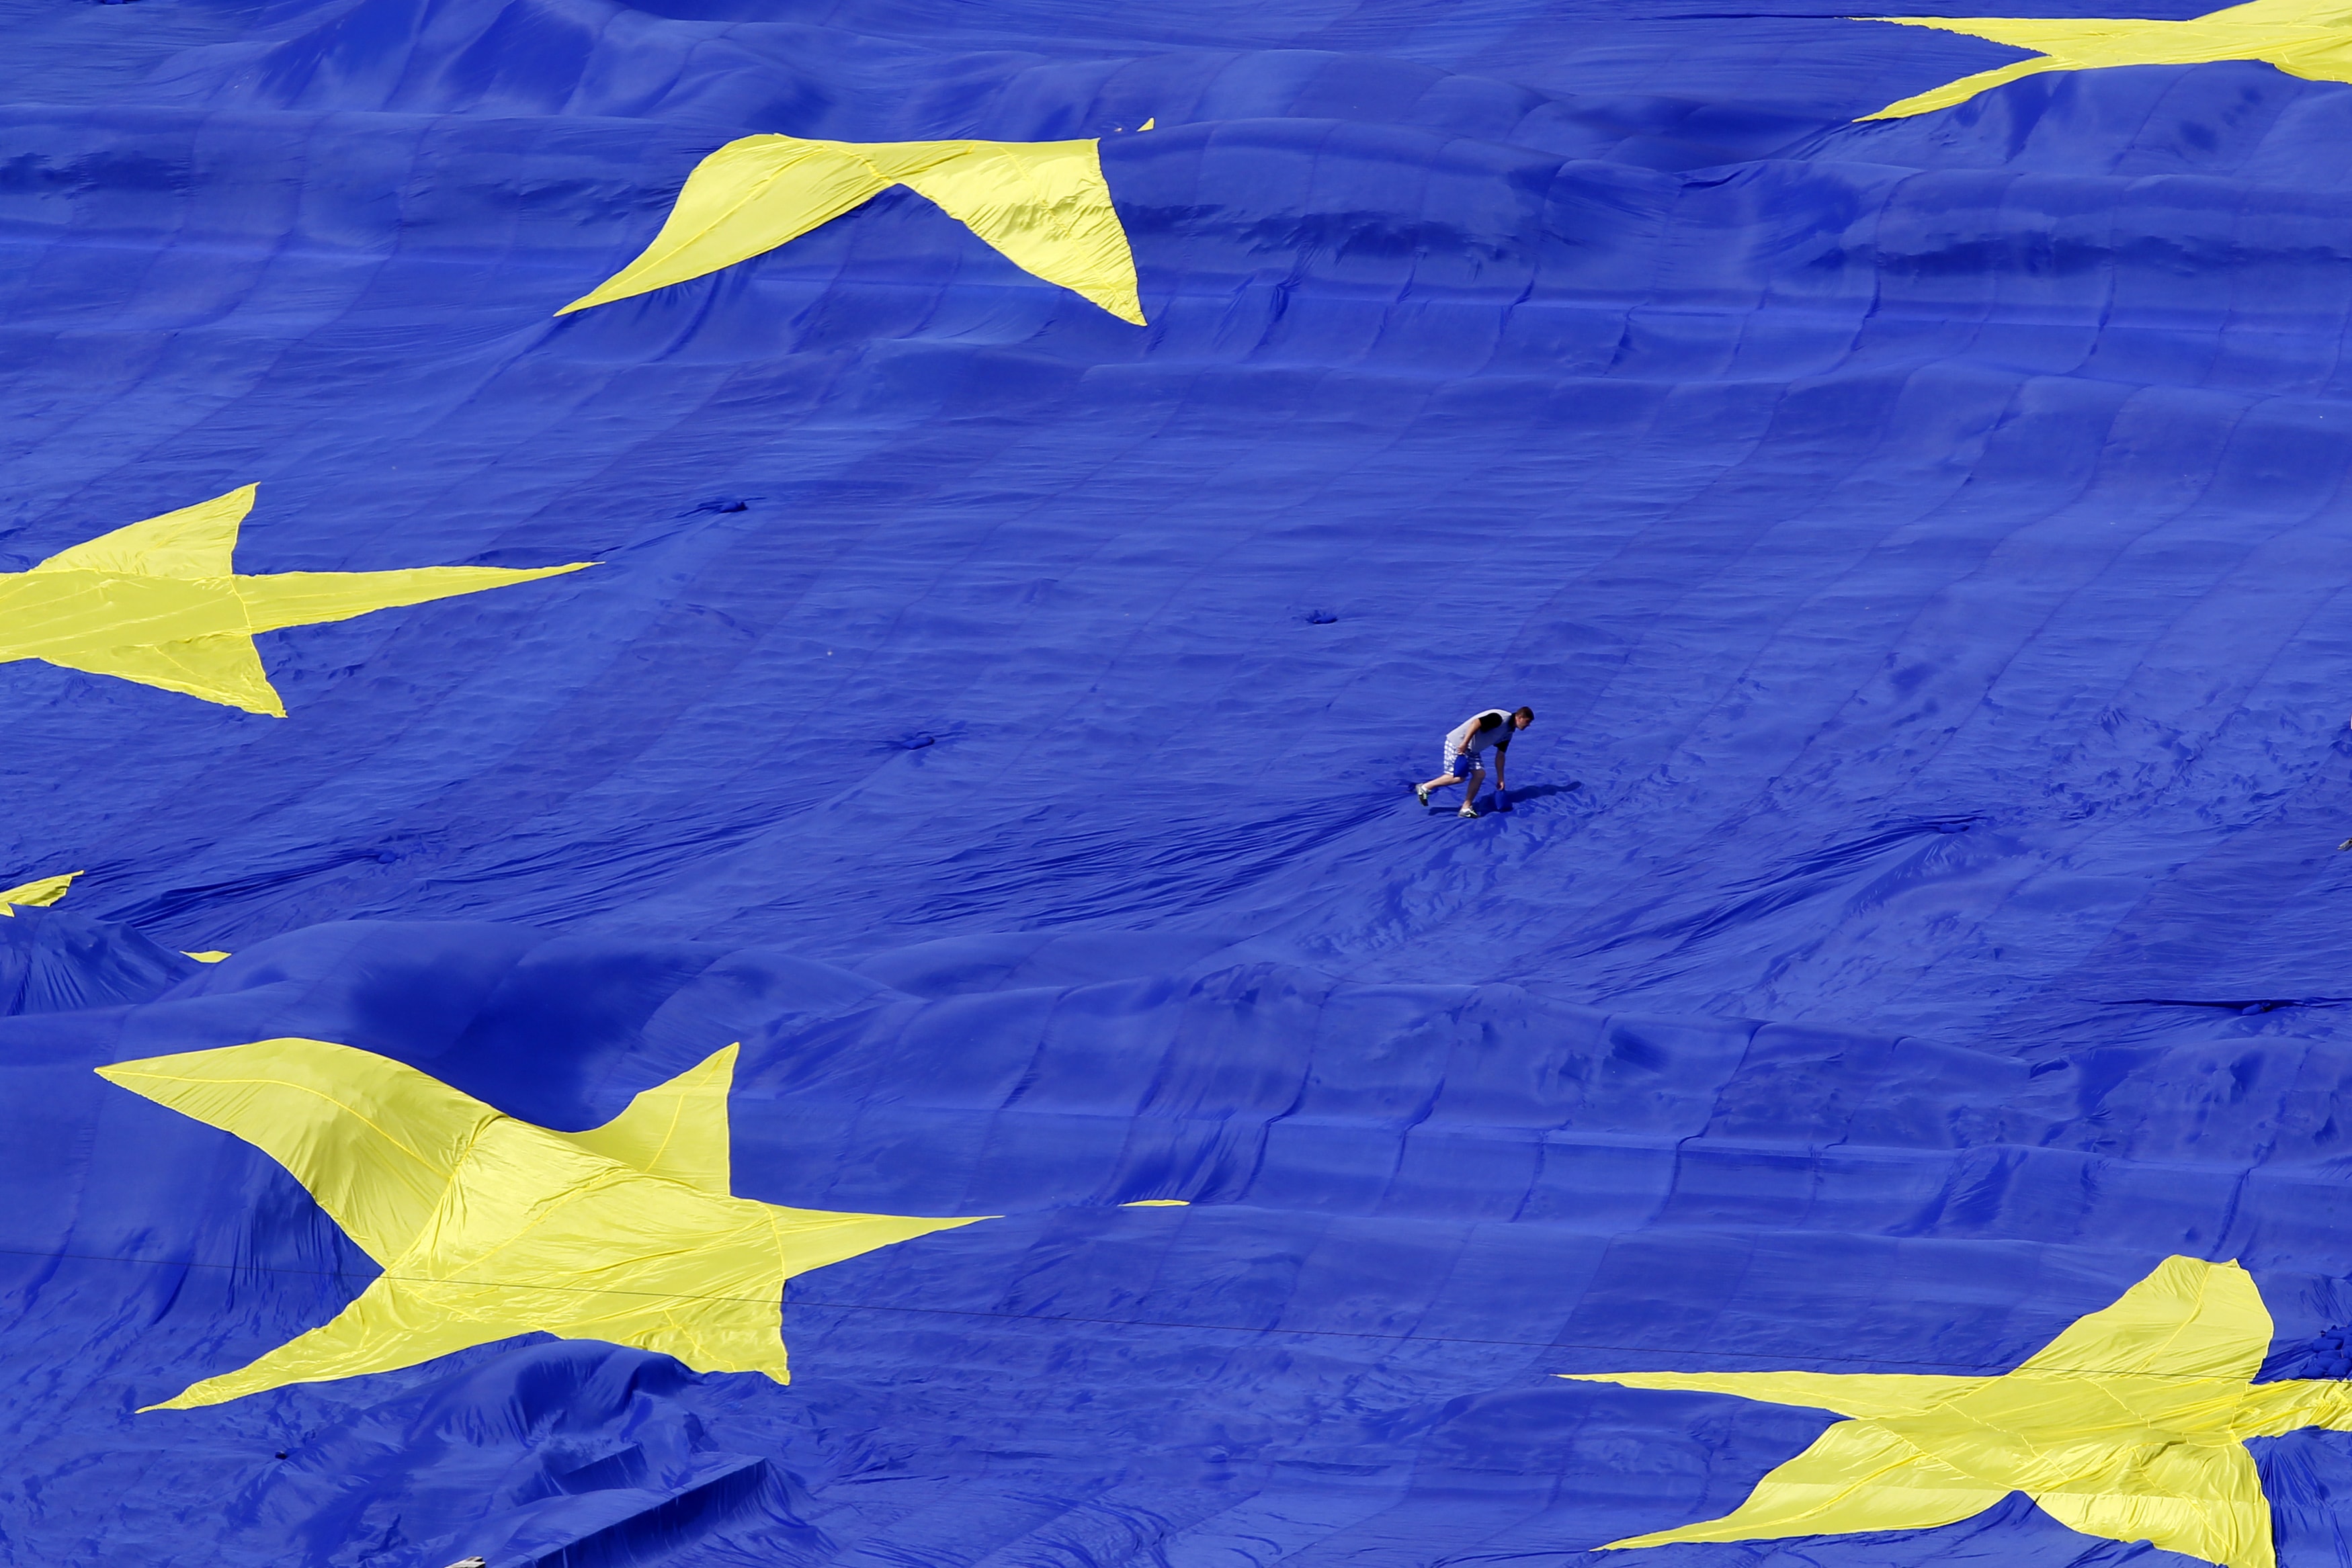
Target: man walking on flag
1470	738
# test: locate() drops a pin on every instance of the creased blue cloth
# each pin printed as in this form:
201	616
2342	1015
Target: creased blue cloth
1923	543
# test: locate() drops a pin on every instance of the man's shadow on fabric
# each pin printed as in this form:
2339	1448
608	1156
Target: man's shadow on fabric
1510	799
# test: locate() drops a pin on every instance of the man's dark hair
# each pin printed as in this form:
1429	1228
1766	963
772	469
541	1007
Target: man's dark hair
1526	713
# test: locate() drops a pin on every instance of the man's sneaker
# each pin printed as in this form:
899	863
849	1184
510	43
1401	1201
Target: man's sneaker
1422	791
1468	811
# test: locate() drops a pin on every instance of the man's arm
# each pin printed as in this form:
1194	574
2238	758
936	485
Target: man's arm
1502	749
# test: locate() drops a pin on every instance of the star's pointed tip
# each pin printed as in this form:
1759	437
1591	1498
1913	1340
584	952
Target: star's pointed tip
720	1064
241	499
722	1060
38	893
514	574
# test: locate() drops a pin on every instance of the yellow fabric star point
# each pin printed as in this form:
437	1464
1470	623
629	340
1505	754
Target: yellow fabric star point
2130	1425
38	893
487	1226
1043	205
2309	38
159	603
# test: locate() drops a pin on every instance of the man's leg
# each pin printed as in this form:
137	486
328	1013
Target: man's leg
1448	776
1470	791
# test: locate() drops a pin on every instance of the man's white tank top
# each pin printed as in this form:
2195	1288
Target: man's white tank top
1479	739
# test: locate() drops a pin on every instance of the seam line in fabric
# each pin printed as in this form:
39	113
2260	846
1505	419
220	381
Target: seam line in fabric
1651	1351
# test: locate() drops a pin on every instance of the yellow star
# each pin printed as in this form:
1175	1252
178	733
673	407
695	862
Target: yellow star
2130	1425
2309	38
159	603
39	892
1044	204
487	1226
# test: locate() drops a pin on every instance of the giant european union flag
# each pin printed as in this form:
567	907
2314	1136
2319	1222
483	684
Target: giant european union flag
709	709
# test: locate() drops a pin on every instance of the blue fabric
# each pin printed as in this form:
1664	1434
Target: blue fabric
1924	540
